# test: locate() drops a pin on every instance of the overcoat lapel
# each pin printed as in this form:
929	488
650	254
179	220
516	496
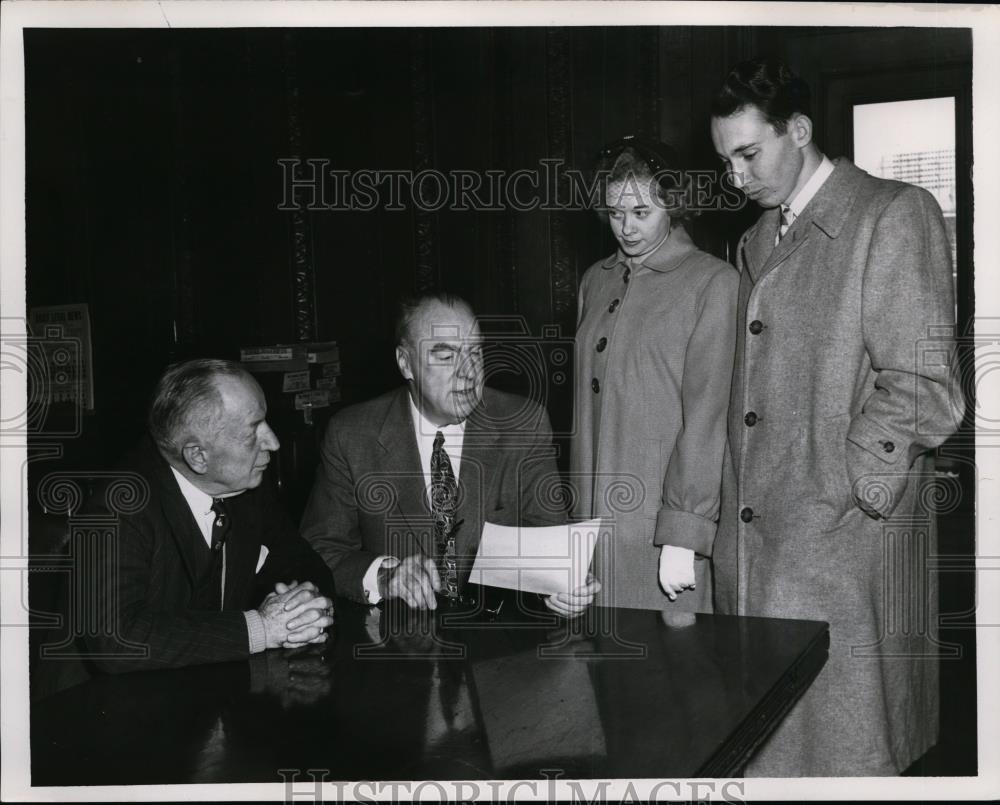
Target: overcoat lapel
759	244
827	210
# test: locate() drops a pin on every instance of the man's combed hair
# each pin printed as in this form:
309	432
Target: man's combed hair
411	305
769	85
186	402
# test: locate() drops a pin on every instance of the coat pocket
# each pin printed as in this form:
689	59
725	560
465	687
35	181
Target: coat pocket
823	472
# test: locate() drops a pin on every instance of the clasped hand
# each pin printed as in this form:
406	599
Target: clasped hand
676	570
295	614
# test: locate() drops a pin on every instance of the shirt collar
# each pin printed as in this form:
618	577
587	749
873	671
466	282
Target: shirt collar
671	253
199	502
810	188
426	429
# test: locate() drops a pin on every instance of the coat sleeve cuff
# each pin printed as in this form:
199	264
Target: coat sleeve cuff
875	466
255	631
882	446
684	530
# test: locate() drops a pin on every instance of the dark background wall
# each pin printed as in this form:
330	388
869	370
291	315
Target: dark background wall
154	187
154	184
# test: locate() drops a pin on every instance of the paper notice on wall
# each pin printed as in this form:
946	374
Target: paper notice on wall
295	381
545	560
64	373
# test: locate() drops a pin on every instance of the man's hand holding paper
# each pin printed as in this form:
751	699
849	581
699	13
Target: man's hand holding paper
552	561
573	603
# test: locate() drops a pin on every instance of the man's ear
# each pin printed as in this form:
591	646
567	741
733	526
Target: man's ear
801	129
403	362
195	457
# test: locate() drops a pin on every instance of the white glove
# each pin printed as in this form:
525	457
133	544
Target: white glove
676	570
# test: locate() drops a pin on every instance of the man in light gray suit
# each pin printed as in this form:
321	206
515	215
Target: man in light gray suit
839	392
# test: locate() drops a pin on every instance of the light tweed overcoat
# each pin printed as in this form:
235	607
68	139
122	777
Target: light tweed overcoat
654	361
841	384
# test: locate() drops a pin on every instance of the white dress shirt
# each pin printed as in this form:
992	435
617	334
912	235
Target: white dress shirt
798	203
425	433
200	504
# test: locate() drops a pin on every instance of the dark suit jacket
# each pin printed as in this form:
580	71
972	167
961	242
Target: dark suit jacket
369	495
146	577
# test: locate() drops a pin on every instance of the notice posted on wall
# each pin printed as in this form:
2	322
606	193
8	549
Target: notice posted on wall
60	335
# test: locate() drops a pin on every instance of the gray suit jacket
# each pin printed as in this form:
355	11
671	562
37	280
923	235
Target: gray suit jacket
369	495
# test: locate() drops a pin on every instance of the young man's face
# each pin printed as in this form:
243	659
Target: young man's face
764	164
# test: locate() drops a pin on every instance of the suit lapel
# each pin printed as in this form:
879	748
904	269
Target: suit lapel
182	526
479	459
399	463
242	550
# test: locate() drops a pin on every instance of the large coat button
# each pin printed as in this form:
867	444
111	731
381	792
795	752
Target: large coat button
756	327
595	384
888	446
602	344
746	514
750	419
614	305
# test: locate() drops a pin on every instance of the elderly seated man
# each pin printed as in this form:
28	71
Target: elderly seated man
209	569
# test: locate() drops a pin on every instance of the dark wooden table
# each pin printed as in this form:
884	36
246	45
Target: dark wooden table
460	694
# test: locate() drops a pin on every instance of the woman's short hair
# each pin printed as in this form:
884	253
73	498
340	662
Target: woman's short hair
638	159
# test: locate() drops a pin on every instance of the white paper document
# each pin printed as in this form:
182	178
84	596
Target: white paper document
545	560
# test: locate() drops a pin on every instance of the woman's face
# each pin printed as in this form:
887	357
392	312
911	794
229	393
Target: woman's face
638	220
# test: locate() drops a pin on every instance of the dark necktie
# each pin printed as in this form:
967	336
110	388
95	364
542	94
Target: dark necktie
444	499
628	273
221	525
786	221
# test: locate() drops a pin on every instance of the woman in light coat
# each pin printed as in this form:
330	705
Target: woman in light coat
654	361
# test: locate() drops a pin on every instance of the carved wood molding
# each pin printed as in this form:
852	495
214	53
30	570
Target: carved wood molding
558	47
303	270
647	121
185	320
424	222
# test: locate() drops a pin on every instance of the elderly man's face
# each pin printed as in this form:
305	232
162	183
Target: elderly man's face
240	450
444	362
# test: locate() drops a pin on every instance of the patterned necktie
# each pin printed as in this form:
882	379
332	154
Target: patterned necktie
444	500
221	524
787	218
